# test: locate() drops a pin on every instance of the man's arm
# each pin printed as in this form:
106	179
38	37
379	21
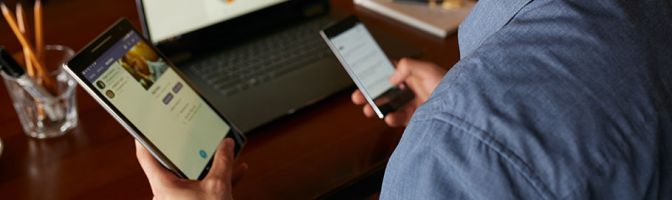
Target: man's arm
564	102
442	157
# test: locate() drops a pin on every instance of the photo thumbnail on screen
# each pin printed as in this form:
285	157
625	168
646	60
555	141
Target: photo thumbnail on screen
145	65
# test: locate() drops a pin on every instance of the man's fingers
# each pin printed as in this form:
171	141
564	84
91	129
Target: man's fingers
395	119
402	72
156	174
358	98
239	173
410	67
368	111
400	117
223	162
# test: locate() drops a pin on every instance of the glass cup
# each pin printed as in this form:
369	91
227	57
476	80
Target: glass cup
47	116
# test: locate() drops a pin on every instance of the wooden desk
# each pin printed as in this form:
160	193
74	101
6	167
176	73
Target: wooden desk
305	155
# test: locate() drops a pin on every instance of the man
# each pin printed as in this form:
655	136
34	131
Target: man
552	100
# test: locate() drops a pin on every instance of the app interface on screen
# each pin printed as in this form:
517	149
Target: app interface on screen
365	59
158	102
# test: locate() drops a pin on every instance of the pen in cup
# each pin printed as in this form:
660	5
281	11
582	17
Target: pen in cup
25	43
12	69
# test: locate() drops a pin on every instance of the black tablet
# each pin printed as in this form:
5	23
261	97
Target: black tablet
144	92
366	64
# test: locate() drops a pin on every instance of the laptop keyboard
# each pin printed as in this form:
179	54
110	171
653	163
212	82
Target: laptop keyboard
243	67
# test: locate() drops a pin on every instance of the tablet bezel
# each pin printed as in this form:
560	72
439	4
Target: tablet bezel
87	56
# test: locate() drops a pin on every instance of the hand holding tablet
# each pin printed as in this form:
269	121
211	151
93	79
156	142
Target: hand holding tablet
144	92
216	185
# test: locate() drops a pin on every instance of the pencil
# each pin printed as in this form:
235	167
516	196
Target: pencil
39	37
9	17
21	20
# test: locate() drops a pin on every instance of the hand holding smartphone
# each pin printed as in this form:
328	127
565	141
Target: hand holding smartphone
367	65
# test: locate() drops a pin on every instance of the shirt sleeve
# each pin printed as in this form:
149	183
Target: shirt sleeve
441	157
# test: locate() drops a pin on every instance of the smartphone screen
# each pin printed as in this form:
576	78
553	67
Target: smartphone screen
366	59
142	86
366	64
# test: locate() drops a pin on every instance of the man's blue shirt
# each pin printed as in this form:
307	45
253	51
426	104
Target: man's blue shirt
553	99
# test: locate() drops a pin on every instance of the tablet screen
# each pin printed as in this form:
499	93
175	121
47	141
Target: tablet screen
141	85
365	58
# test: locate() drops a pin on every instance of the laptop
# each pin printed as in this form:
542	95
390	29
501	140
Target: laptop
255	61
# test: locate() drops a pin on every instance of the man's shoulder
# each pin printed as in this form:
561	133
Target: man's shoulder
565	103
598	21
568	105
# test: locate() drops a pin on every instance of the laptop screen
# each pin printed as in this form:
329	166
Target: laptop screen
170	18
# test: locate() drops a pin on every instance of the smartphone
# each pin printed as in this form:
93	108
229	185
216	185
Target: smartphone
152	100
366	64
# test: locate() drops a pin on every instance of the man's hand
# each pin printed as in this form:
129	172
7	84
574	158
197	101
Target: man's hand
216	185
421	77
